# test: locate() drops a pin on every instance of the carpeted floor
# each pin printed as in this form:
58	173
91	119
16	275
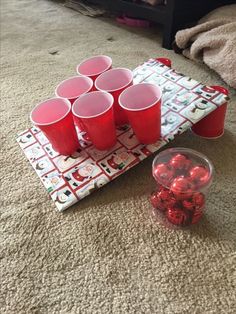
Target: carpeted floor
104	255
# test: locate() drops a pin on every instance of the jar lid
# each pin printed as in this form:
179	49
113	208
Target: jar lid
182	170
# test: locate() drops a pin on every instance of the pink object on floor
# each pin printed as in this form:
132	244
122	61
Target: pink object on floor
74	87
142	103
115	81
94	111
133	22
94	66
212	126
54	118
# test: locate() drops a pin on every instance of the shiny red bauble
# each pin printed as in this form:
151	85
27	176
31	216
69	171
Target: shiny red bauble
179	162
181	187
157	202
163	173
170	202
197	216
199	175
188	204
154	199
198	200
177	216
164	194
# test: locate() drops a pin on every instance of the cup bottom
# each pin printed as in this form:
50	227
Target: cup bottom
208	137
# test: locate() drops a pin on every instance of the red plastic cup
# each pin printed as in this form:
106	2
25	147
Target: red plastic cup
115	81
94	66
74	87
212	126
95	112
54	118
165	61
142	103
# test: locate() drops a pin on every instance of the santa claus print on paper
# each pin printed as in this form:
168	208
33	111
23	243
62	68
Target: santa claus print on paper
118	161
82	173
64	163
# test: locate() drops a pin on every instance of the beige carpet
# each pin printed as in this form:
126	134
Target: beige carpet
105	255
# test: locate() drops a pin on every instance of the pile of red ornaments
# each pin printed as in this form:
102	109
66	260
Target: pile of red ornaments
183	177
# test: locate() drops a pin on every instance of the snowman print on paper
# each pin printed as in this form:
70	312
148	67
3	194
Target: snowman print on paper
180	100
205	91
53	181
157	66
198	109
117	162
50	151
43	166
34	152
42	139
168	90
64	198
128	139
155	79
81	174
26	139
141	73
188	82
169	122
92	186
173	75
183	127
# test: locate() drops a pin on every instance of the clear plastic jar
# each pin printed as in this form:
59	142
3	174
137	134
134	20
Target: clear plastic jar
183	177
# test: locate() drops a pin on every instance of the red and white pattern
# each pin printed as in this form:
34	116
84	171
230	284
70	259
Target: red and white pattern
69	179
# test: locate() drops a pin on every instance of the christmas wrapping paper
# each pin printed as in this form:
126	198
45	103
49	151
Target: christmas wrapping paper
69	179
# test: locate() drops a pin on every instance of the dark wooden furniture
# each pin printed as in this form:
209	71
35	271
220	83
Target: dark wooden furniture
175	15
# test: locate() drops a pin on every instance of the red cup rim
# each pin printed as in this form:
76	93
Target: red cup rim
140	109
66	101
107	73
89	95
91	58
70	78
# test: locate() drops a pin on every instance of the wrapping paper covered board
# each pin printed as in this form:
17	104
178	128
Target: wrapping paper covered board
69	179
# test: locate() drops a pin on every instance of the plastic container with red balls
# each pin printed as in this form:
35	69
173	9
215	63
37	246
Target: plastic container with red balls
183	178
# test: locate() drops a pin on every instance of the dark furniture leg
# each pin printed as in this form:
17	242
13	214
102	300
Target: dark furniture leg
176	15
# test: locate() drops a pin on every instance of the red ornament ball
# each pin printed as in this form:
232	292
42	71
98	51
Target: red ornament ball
179	162
198	200
199	175
197	216
170	202
163	174
181	187
164	194
157	202
177	216
188	204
